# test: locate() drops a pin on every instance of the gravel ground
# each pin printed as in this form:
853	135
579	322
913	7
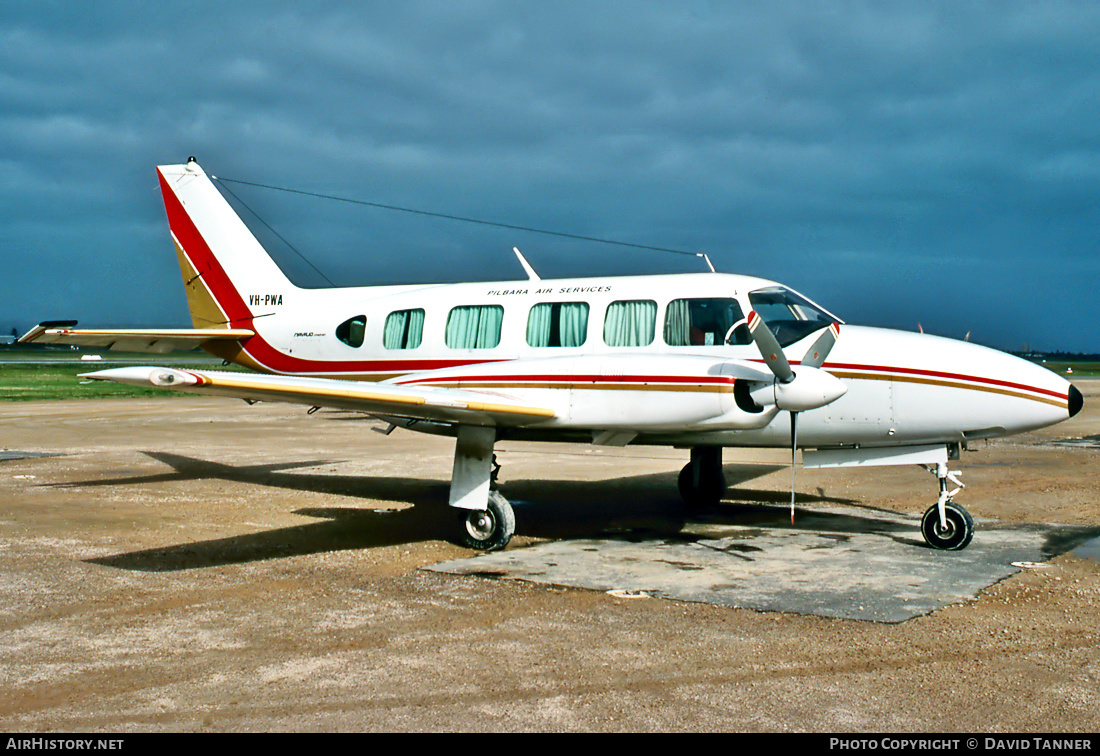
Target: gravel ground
191	564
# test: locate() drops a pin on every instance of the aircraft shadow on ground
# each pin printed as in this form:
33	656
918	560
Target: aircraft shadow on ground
640	507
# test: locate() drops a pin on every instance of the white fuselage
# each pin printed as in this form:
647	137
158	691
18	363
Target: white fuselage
902	388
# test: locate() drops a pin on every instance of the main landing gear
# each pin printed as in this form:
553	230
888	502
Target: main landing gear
701	482
946	525
486	520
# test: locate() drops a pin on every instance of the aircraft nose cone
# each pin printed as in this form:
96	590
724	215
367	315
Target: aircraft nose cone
1076	401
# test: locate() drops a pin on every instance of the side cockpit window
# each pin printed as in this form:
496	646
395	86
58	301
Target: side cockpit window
351	331
790	316
705	322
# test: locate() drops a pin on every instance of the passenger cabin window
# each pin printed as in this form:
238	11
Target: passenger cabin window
474	327
557	324
630	323
403	330
351	330
705	322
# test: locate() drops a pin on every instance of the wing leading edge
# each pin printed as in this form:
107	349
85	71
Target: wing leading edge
446	405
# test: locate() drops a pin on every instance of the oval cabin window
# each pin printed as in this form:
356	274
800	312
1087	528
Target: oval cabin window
351	330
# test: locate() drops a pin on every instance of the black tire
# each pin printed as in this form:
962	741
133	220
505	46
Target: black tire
711	488
957	534
490	529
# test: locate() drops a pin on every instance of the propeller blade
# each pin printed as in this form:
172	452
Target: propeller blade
769	348
794	451
816	355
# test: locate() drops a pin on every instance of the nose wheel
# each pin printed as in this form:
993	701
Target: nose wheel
956	531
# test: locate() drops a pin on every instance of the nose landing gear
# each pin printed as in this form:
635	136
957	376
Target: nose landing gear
946	525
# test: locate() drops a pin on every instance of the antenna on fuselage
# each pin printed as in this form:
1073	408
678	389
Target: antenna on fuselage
531	274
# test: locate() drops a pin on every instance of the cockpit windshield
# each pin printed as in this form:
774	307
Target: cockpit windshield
791	317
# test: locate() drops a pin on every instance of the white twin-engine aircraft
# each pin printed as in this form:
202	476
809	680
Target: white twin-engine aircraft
698	361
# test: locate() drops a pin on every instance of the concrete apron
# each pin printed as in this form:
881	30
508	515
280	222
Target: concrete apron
835	561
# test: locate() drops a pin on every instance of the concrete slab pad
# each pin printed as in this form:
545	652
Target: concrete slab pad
835	561
1082	442
13	454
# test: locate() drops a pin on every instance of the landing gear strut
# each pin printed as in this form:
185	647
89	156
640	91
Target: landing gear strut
701	482
486	520
946	525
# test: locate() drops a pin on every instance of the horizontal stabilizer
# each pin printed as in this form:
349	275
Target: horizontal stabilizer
446	405
155	340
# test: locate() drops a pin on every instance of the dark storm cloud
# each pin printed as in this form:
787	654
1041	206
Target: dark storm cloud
932	162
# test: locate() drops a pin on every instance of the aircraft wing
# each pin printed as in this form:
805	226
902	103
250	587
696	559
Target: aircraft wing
155	340
447	405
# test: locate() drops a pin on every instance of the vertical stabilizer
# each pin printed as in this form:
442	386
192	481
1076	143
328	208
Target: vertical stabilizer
229	277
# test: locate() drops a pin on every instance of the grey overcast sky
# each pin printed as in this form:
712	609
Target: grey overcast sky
897	162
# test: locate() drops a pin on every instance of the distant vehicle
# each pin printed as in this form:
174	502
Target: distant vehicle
698	361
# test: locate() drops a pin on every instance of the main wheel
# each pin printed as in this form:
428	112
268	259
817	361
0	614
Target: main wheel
957	534
489	529
709	491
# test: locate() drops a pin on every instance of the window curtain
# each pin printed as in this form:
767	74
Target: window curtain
403	329
474	327
678	323
630	323
571	319
573	324
539	322
415	330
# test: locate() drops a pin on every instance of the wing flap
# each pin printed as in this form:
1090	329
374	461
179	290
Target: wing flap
420	402
151	340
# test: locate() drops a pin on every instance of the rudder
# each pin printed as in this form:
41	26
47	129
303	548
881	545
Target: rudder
228	276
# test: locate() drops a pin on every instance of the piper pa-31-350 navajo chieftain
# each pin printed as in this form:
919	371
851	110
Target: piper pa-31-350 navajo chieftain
698	361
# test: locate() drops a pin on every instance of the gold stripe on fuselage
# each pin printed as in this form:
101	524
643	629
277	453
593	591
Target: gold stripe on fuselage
1064	404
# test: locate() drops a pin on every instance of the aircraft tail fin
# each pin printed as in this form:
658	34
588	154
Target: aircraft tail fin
229	277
